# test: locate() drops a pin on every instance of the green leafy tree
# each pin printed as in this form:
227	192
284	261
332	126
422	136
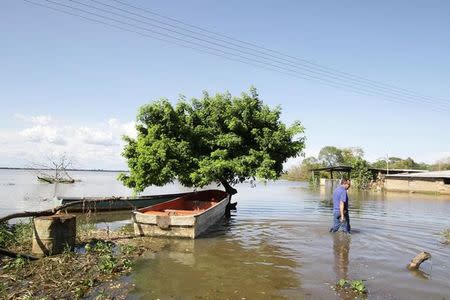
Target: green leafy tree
380	164
350	154
360	174
330	156
441	165
213	139
399	163
303	171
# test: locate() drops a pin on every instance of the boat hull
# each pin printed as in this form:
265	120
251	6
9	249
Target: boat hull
114	203
181	226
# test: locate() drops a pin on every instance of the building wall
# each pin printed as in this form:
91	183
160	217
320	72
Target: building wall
417	185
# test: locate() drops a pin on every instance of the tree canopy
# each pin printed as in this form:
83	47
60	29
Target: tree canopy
334	156
213	139
330	156
399	163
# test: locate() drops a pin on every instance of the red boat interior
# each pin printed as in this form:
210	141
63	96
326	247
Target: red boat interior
191	204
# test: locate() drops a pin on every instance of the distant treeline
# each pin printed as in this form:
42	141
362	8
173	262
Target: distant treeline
49	169
354	156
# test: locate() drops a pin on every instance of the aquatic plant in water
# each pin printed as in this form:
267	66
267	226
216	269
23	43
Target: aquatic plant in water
352	285
446	236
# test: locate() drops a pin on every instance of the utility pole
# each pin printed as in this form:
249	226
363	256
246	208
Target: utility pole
387	163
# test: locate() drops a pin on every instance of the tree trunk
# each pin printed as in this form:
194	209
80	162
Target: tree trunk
228	188
231	191
15	254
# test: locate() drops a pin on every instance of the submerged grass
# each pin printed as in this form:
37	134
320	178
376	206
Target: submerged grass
445	234
355	289
102	258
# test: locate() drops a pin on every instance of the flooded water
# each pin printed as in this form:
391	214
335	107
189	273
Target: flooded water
276	245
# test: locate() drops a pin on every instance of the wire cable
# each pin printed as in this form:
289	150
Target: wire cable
305	61
301	67
211	50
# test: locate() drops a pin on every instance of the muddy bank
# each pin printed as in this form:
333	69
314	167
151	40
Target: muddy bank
98	268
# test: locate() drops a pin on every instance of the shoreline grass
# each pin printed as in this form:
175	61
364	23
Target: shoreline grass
97	268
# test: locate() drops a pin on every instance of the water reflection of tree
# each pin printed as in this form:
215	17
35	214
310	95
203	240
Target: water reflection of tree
341	249
217	268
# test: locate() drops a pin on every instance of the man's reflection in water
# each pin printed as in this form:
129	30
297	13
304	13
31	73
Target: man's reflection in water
341	248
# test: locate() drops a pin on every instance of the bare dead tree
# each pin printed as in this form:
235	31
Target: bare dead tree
55	169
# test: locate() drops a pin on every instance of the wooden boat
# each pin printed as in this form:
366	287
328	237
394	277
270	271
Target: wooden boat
113	203
188	216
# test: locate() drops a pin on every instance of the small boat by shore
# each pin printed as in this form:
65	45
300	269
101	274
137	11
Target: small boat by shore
113	203
188	216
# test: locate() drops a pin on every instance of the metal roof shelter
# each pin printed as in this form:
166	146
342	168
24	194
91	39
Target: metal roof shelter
331	169
424	175
375	171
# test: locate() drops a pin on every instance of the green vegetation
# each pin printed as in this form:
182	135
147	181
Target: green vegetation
442	164
303	171
332	156
399	163
93	270
3	290
15	235
360	175
219	138
409	163
355	286
6	236
16	264
354	157
446	236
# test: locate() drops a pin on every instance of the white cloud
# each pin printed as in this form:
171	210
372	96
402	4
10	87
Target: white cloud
128	129
95	145
96	136
40	133
37	120
114	123
41	120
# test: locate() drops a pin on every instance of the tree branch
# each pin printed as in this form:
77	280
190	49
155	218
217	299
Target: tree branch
418	259
15	254
52	211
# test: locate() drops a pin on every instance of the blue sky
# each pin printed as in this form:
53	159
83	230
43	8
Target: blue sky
71	86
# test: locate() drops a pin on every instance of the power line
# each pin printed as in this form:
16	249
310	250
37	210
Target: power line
310	77
378	90
278	60
163	40
225	54
258	48
349	87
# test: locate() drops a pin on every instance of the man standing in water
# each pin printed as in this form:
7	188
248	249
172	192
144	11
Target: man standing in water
340	207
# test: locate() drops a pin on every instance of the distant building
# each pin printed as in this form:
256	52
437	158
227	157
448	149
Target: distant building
376	172
428	182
